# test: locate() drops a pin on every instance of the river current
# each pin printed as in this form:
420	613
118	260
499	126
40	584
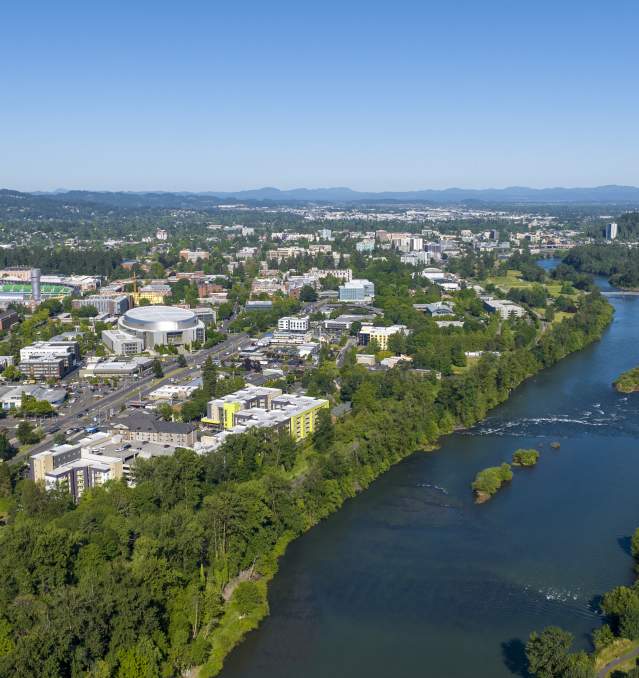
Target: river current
411	578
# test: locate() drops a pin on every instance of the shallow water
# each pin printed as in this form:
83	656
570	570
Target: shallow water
411	578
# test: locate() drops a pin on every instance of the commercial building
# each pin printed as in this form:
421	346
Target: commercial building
611	231
505	307
258	305
170	392
358	290
258	406
162	326
380	334
143	427
206	314
122	343
11	396
437	309
101	367
111	305
45	359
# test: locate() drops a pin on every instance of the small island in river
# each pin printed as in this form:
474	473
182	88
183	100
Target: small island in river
489	481
628	382
525	457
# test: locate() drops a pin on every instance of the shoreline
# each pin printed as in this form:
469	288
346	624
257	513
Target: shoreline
231	634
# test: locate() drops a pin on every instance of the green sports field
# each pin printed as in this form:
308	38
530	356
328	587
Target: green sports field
46	289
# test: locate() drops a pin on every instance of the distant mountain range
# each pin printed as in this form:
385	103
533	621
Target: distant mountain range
512	195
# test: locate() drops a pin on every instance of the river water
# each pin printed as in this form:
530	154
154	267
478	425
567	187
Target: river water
411	578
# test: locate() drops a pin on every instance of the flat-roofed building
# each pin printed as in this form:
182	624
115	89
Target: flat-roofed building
505	307
293	324
116	304
357	291
122	343
221	410
45	359
265	408
78	466
381	335
113	367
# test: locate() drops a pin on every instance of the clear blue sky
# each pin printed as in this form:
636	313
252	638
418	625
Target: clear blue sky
187	95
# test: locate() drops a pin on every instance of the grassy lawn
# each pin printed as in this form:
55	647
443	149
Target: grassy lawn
513	279
469	363
619	647
561	315
5	505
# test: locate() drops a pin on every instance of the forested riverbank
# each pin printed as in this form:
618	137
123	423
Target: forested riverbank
133	578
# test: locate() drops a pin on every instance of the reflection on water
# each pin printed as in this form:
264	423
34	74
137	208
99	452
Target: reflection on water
412	578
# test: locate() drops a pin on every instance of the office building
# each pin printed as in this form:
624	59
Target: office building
505	307
111	305
359	291
611	231
46	359
11	396
122	343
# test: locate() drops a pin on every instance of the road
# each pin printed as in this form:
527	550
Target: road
350	342
81	413
603	673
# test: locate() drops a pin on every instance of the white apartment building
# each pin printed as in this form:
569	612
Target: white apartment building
293	324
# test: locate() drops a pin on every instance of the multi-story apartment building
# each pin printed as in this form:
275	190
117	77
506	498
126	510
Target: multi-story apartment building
8	319
78	466
258	406
143	427
380	334
293	324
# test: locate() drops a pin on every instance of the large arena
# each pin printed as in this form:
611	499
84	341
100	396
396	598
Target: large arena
162	325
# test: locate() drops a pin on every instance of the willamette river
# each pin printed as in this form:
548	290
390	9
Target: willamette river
411	578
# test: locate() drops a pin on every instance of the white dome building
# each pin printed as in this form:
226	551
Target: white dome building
162	325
